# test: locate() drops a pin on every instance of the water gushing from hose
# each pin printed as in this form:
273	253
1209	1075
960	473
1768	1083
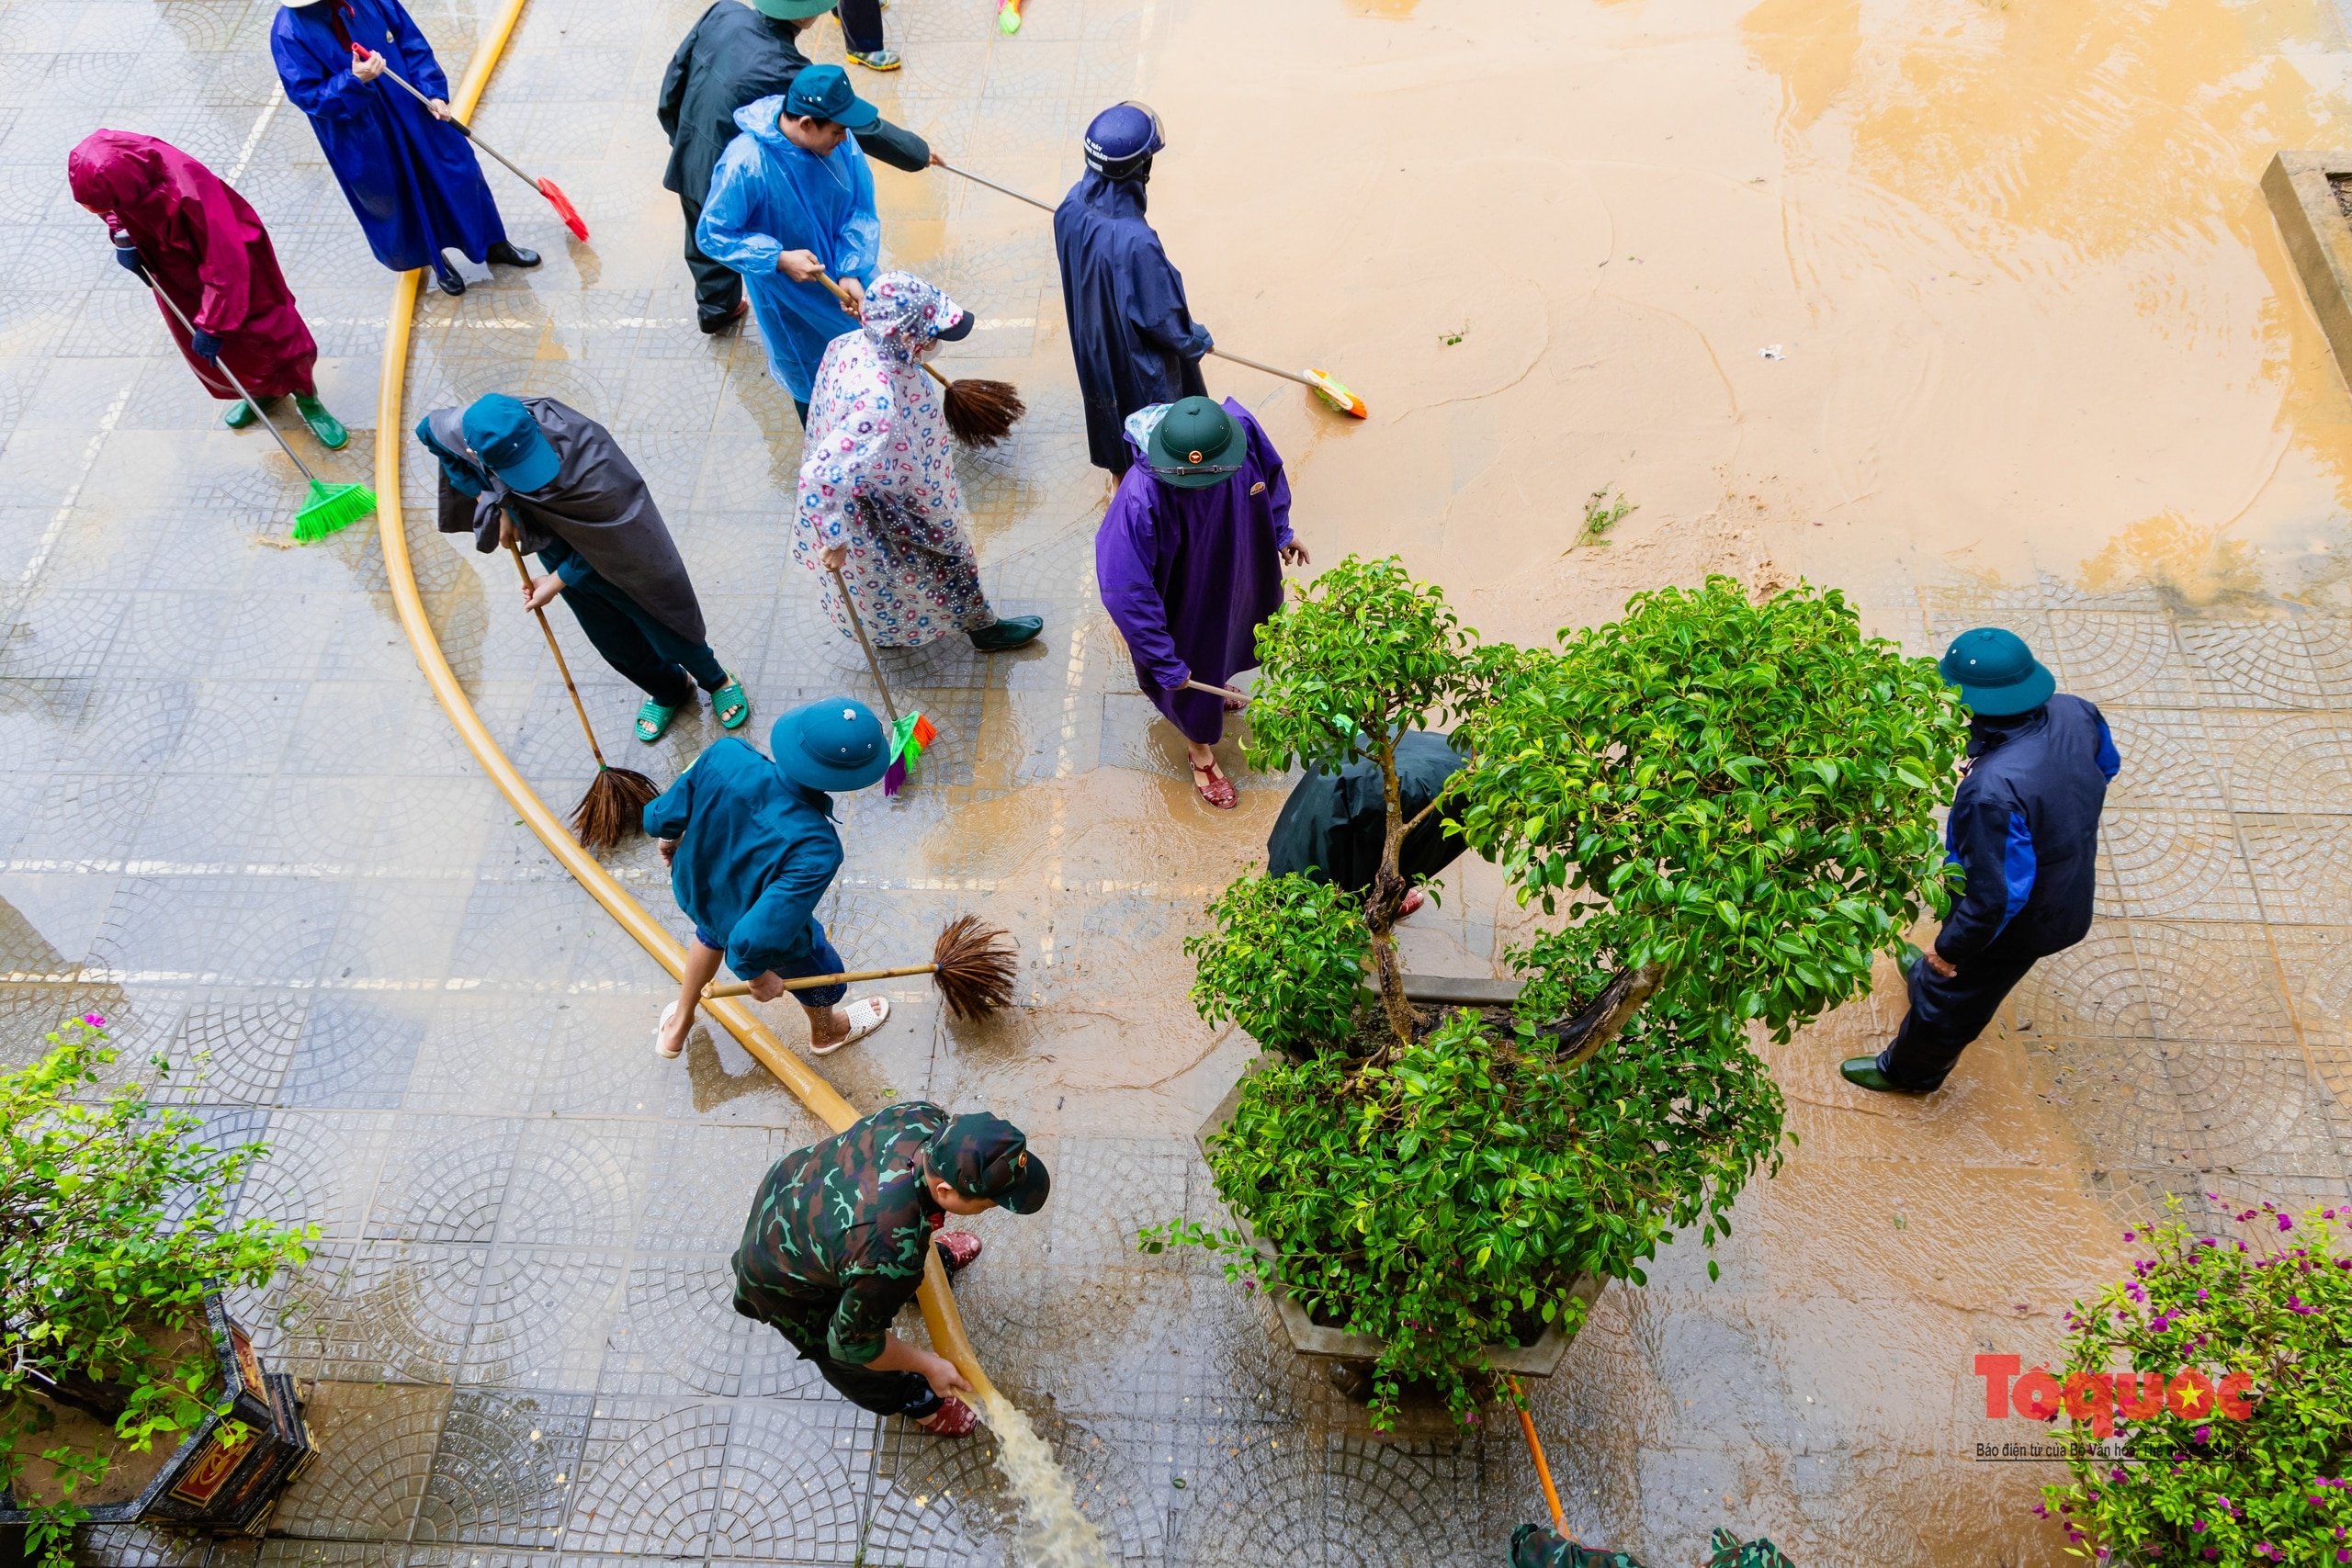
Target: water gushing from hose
1054	1534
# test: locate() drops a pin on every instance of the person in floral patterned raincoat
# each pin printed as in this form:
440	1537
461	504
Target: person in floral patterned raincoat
879	505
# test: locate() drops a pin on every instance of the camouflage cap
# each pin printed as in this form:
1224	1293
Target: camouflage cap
983	1156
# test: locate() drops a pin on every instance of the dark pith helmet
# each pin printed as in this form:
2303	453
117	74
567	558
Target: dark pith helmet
1198	444
1996	673
1121	138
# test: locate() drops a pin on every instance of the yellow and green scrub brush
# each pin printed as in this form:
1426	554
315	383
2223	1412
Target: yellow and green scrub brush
331	507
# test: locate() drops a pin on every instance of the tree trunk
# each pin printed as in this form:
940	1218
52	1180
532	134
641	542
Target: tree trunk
1385	896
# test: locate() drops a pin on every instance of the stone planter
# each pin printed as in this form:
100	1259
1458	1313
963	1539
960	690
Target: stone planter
228	1473
1351	1355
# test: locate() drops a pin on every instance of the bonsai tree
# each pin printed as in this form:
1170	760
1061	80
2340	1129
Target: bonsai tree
1735	803
113	1225
2221	1371
1344	668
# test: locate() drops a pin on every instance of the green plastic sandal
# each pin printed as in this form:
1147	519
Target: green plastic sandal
731	704
653	721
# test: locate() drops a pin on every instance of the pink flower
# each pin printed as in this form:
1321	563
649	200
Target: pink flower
2204	1434
2284	1223
95	1020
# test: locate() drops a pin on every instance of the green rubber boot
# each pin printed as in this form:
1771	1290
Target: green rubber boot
240	415
324	425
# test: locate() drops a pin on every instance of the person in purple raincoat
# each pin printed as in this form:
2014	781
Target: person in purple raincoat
410	174
1188	560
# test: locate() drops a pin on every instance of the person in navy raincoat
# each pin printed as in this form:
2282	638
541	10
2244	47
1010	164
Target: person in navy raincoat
410	177
792	198
2024	829
1130	330
751	848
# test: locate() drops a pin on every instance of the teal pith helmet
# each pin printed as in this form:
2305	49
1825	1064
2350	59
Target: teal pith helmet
1996	673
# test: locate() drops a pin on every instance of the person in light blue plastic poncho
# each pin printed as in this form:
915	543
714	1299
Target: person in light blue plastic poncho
792	198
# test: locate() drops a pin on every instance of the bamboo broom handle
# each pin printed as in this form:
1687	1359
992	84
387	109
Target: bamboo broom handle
1220	691
561	668
1285	375
743	987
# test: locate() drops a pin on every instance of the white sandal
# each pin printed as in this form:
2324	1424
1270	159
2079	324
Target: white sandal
667	1014
866	1015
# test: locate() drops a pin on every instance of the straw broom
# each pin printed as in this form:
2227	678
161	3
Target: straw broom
614	807
979	413
973	971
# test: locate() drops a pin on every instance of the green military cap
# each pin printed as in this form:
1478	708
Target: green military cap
983	1156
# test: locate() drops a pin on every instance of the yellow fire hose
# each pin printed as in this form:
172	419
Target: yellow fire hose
939	1313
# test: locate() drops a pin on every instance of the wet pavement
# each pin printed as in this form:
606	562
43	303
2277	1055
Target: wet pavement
2005	388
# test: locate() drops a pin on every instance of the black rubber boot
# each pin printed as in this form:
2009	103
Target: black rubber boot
1017	631
504	255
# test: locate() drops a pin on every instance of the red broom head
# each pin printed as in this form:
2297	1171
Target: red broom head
563	207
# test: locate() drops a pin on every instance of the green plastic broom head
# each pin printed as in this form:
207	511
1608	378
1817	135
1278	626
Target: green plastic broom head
331	508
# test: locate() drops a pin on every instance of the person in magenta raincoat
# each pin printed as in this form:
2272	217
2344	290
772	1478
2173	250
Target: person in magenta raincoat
1188	560
410	176
199	240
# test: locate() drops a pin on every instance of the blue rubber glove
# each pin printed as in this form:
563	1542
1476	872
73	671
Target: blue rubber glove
207	346
127	258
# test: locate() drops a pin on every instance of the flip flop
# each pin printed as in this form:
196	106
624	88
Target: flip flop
1217	790
866	1015
667	1014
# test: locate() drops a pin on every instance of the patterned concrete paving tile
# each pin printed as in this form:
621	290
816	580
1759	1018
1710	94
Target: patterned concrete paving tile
677	1333
2211	981
796	1482
504	1467
233	1047
1086	1341
578	1184
2182	865
356	1050
1250	1495
2170	762
375	1448
650	1478
444	1178
321	1169
2296	763
2251	663
542	1318
138	1546
2302	867
479	1055
368	1311
2253	1109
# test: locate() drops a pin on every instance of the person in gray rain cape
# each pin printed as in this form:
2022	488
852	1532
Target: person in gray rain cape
536	473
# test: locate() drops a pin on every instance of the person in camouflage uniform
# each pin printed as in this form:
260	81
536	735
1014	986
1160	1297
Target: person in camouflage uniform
837	1236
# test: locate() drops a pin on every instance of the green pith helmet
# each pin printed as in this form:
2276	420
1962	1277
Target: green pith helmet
1197	445
794	10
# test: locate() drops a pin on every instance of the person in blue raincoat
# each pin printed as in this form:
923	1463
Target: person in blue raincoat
792	198
751	848
410	177
1130	329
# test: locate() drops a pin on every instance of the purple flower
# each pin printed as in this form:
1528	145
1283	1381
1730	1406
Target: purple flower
2116	1475
2196	1525
2131	1235
2206	1241
95	1020
2342	1555
2204	1297
2284	1223
2204	1434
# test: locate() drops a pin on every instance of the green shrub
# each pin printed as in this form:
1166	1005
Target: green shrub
113	1223
2267	1325
1284	961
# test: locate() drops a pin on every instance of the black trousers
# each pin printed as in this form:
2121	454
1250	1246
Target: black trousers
649	654
1947	1014
718	288
861	25
885	1394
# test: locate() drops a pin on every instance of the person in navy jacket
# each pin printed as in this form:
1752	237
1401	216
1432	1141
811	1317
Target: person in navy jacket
2024	830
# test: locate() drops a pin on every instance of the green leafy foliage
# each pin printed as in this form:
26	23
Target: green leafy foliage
1739	794
113	1223
1452	1198
2264	1321
1284	961
1602	511
1363	652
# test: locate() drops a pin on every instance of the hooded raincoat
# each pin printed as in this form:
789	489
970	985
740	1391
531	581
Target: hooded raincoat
769	196
756	852
1334	826
732	56
206	250
879	475
412	180
1133	336
1188	575
597	507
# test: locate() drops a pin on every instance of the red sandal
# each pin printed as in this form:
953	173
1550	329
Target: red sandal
957	1250
1217	790
953	1418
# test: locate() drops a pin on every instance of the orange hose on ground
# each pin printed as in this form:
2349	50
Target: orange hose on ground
946	1323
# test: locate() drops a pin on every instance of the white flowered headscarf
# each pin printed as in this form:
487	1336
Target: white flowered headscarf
902	312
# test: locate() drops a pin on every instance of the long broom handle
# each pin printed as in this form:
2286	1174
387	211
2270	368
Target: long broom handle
872	663
222	365
1005	190
465	129
1285	375
565	669
1220	691
1221	354
743	987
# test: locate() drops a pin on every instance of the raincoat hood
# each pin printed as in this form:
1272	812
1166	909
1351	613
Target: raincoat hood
903	313
759	120
150	187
